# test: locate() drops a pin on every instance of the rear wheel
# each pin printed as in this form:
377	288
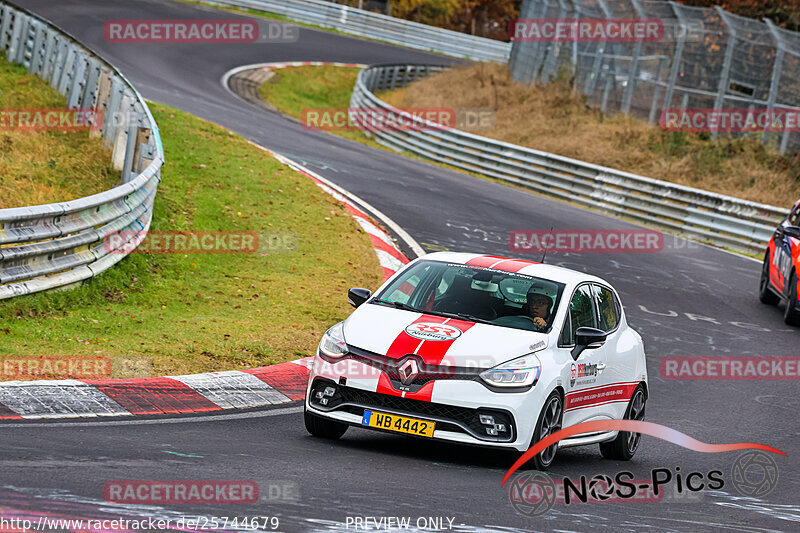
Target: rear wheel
549	422
625	445
764	293
792	313
322	427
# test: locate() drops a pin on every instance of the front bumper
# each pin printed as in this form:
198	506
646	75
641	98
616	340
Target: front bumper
456	405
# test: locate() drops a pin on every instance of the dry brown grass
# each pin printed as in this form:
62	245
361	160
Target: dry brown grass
554	118
39	167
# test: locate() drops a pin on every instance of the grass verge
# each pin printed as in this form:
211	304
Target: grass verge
156	314
40	167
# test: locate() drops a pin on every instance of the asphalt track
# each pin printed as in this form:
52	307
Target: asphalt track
687	300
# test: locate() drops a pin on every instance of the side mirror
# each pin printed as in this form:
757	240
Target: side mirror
792	231
356	296
587	339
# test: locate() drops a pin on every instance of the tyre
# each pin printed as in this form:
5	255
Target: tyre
625	445
549	422
322	427
792	314
765	294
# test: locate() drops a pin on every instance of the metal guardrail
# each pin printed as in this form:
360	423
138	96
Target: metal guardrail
59	245
381	27
704	216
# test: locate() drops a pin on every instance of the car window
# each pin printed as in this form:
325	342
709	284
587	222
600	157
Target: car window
581	311
609	308
794	218
497	296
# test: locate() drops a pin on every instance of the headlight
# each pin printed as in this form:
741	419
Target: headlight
520	372
332	343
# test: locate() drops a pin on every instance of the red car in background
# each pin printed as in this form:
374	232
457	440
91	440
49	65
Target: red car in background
779	274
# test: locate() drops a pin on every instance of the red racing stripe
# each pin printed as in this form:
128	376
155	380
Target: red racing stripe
485	261
500	263
405	343
432	352
616	392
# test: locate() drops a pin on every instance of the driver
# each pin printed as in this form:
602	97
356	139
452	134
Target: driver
539	306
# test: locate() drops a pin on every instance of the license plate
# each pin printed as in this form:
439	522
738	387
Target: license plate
401	424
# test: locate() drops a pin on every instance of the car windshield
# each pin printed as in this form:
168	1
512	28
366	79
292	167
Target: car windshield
475	293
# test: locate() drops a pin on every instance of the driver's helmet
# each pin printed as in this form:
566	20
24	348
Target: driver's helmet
540	291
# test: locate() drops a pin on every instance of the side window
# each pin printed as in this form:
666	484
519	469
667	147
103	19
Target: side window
794	218
608	307
566	338
581	311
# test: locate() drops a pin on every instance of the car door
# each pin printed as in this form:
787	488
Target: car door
620	351
782	258
585	378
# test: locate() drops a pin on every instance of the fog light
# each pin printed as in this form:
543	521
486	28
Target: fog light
318	395
500	427
491	431
329	391
487	420
324	401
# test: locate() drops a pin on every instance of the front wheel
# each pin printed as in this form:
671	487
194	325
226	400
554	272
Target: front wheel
764	293
549	422
625	445
792	314
322	427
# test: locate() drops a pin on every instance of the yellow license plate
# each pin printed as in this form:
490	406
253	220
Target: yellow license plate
401	424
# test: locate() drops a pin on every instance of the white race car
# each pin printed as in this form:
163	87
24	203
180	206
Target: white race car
482	350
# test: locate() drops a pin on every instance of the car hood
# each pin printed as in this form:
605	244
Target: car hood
437	340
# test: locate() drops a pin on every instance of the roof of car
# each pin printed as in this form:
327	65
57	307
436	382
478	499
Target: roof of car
522	266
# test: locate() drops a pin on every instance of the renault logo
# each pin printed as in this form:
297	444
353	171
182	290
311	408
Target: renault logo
408	370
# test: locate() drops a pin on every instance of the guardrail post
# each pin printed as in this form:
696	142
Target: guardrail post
656	92
550	62
37	53
90	87
677	57
113	112
777	66
16	36
633	70
130	146
7	13
59	62
78	81
724	77
67	73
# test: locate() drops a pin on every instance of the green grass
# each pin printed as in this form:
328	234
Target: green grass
39	167
294	89
167	314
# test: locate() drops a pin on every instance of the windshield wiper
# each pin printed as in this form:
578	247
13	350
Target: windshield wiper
466	316
398	305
